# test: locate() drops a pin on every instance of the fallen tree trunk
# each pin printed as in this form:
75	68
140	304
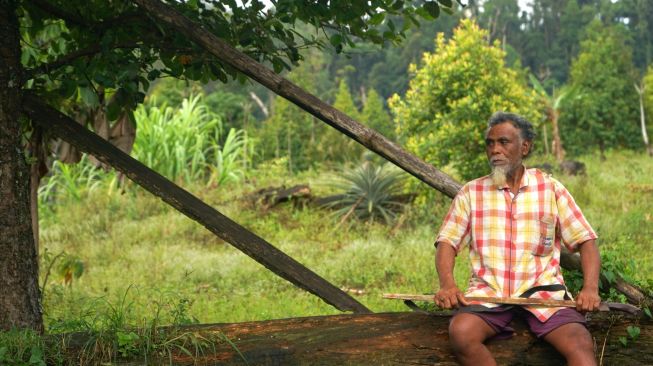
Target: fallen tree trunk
395	339
272	196
249	243
634	295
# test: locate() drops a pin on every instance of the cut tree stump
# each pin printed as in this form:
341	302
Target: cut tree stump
398	339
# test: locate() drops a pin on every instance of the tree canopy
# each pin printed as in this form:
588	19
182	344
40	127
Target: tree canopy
604	113
443	115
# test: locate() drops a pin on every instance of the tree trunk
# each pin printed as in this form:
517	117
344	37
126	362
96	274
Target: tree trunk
546	140
19	298
558	151
642	118
392	339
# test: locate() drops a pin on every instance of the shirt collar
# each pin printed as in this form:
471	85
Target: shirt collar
524	180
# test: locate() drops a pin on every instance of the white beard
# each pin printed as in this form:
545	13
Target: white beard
499	175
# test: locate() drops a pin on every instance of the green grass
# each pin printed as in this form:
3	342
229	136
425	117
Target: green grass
135	241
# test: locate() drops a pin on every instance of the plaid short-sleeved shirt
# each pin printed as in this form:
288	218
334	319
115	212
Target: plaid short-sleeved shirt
514	241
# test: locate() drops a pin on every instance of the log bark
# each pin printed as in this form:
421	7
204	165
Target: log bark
395	339
263	252
19	292
308	102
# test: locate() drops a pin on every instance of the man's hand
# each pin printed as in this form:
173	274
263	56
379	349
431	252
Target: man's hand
450	297
588	300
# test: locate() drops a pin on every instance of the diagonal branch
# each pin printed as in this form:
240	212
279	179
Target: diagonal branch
246	241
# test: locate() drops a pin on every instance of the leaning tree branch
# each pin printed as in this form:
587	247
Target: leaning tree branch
246	241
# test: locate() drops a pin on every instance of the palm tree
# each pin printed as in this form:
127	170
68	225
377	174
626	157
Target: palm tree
552	104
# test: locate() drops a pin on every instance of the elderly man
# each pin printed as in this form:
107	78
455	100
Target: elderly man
514	222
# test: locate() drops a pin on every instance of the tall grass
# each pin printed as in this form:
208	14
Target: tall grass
185	144
72	181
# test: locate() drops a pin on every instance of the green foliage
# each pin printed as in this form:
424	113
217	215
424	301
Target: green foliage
375	116
27	348
70	181
183	144
604	114
74	49
368	193
115	334
127	342
67	267
334	145
454	91
291	132
633	333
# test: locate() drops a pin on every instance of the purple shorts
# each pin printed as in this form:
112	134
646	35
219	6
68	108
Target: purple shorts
500	318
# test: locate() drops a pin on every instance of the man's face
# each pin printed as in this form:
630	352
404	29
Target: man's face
505	148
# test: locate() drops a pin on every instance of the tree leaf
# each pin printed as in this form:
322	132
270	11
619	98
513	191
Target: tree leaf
432	8
633	332
89	97
377	18
446	3
336	40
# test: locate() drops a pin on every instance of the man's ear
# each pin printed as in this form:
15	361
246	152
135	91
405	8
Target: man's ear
526	147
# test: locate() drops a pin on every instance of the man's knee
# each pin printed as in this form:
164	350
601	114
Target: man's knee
468	329
573	341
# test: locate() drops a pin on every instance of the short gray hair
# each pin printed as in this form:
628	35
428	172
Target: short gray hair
525	128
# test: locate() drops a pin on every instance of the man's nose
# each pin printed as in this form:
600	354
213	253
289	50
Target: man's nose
493	149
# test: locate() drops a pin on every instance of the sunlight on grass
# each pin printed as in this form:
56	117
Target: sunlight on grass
133	240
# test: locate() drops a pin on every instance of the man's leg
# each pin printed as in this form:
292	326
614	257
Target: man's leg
574	342
467	332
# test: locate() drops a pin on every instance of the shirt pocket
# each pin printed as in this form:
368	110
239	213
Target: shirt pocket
544	238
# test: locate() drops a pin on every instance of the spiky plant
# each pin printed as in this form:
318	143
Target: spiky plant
369	193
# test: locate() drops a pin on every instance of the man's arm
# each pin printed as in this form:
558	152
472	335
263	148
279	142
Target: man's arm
588	299
449	296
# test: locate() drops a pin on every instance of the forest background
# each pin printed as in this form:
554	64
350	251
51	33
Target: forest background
112	256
